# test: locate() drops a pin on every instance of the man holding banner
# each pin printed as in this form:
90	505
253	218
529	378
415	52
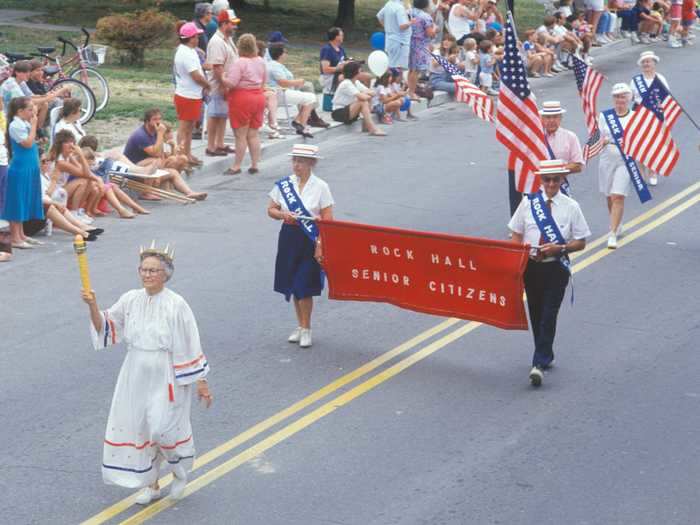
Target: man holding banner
298	200
617	171
554	226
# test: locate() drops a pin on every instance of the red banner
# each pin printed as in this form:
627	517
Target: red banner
435	273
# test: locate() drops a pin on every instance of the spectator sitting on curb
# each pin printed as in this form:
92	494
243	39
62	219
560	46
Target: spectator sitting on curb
271	103
70	115
294	91
352	99
538	62
333	58
398	87
145	148
16	86
553	42
439	78
384	102
54	201
119	161
37	86
221	54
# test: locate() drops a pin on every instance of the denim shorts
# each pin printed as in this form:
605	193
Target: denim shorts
217	107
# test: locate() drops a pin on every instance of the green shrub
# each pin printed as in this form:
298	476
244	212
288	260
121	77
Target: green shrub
135	32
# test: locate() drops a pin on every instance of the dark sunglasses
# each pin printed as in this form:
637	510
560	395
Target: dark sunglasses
551	179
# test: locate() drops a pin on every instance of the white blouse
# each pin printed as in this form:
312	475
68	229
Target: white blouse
316	195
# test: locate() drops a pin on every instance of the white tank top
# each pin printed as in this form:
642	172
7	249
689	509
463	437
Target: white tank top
459	26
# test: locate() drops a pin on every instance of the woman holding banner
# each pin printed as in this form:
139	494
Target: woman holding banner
613	175
297	200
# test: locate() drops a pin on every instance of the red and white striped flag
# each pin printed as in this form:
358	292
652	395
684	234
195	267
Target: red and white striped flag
588	82
480	103
518	123
648	140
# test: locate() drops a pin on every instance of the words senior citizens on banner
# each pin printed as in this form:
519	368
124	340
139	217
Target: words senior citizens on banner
464	277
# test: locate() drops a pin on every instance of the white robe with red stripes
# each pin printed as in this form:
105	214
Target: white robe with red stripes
149	422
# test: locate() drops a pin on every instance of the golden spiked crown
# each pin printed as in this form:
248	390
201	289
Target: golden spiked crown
166	253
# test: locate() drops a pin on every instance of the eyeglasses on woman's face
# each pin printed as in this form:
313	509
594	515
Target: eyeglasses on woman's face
149	271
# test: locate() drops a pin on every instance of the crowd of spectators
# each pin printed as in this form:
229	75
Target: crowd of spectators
52	172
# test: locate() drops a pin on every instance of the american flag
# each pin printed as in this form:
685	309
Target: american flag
648	140
466	92
518	123
662	103
588	82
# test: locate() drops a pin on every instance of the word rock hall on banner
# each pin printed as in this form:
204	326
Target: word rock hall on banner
448	275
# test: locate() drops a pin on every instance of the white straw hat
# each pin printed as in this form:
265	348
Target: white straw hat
621	89
648	54
305	150
552	107
552	167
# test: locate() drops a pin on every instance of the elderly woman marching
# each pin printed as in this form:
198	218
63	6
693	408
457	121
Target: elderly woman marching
644	85
297	269
149	422
613	176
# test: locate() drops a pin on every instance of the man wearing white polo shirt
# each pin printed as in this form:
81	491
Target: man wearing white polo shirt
554	226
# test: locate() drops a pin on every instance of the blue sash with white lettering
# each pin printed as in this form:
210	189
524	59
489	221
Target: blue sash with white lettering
617	132
565	188
549	230
653	96
295	205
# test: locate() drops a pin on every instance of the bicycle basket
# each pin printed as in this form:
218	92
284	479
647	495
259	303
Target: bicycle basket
94	54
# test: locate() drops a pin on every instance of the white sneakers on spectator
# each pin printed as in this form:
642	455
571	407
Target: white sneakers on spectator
612	241
644	38
295	335
674	42
305	338
634	38
147	495
84	217
302	336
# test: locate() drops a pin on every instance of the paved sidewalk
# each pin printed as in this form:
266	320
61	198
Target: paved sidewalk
18	18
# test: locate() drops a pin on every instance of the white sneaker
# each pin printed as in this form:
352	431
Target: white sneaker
536	376
619	231
612	241
305	338
644	39
634	38
674	42
177	487
84	217
147	495
295	335
653	180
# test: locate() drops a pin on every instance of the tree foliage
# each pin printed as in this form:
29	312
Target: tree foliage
135	32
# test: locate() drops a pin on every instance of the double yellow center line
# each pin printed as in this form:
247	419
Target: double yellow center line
377	379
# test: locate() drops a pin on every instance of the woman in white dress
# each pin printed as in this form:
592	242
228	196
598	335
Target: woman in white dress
647	63
149	421
613	178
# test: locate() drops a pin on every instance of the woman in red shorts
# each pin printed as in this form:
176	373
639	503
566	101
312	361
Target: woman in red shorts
190	87
246	102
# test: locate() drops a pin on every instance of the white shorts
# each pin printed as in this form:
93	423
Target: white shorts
398	53
613	178
294	97
485	80
596	5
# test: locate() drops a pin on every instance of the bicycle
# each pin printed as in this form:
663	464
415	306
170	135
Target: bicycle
81	66
76	88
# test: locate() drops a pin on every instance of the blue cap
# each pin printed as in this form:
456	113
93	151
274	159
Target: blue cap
276	37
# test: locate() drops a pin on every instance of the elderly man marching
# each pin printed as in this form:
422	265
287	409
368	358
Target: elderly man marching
648	84
561	143
554	226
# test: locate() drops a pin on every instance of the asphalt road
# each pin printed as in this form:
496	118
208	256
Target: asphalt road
445	429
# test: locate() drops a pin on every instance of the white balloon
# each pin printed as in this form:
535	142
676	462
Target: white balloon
378	62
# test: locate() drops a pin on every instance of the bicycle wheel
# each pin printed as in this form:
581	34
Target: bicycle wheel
84	94
96	82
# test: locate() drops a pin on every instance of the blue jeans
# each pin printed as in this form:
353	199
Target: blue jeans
442	82
545	286
630	21
604	24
